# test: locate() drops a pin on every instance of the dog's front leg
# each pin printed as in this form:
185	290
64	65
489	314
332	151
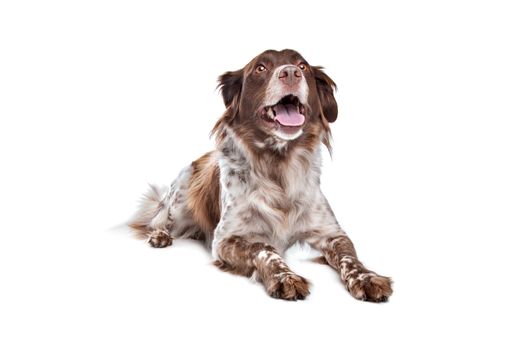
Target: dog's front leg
242	256
340	254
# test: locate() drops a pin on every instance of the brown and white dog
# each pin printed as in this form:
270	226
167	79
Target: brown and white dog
259	191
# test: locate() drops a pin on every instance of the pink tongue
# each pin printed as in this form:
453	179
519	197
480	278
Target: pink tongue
287	115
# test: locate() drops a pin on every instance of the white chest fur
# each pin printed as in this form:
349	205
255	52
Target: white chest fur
279	203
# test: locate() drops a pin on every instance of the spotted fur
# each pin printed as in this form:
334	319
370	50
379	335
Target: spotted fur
362	283
258	192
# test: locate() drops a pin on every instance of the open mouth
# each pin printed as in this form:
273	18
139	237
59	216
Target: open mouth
287	114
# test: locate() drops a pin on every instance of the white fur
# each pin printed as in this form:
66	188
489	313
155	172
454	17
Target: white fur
152	211
276	90
307	209
286	136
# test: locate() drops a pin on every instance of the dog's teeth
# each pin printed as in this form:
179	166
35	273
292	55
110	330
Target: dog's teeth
271	113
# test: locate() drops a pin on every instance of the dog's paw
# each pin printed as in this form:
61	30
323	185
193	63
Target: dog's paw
159	239
289	286
369	286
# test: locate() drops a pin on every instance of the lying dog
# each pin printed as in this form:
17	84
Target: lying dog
258	192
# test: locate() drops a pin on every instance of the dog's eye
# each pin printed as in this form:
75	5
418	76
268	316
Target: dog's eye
260	68
302	66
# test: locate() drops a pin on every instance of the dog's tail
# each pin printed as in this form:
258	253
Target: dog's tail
153	212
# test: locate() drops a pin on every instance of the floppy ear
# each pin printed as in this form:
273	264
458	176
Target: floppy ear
325	90
230	84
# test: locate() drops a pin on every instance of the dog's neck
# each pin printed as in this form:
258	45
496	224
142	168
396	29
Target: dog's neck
286	166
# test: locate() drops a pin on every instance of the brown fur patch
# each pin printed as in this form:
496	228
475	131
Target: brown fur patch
374	289
363	284
320	260
290	287
242	257
337	247
237	255
159	239
204	193
140	230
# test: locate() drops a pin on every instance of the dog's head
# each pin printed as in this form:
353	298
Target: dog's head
278	96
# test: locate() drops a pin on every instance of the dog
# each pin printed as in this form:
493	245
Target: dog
259	192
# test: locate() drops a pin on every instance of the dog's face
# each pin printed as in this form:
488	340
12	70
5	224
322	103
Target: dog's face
279	95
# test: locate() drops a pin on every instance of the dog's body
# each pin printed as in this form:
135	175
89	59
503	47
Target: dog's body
259	191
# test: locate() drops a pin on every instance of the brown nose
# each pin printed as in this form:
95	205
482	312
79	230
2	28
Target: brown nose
290	75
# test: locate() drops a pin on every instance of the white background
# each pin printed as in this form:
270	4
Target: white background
98	98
